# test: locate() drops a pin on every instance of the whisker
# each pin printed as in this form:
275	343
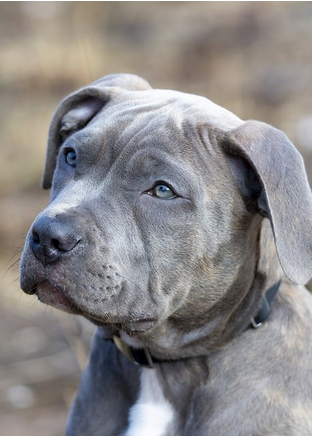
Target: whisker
13	265
17	252
123	277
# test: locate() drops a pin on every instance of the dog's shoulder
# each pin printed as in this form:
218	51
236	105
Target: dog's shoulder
266	369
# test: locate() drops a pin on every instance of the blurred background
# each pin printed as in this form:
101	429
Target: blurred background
254	58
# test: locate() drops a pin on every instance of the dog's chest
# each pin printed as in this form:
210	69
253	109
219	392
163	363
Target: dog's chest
152	414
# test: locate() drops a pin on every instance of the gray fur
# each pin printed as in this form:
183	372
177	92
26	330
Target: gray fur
184	276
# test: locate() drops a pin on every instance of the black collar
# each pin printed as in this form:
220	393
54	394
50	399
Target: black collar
142	356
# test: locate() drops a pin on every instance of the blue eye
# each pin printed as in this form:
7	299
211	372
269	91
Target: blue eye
163	191
70	157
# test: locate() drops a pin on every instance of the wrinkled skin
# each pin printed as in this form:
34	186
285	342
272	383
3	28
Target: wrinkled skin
159	228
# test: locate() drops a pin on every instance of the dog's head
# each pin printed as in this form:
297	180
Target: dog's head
156	208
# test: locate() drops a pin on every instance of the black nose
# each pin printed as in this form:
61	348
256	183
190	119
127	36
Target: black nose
52	238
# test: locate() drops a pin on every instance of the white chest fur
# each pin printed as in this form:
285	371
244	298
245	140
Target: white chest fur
152	414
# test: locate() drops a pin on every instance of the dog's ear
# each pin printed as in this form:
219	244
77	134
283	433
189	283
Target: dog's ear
78	109
282	192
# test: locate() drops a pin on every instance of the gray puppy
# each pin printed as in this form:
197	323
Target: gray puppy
181	231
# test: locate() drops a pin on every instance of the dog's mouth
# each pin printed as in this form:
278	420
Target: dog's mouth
48	294
53	296
129	327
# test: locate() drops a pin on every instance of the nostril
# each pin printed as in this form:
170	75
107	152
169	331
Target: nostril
65	244
55	243
51	239
35	237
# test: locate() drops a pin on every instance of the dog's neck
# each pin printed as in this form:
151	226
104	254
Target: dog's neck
137	353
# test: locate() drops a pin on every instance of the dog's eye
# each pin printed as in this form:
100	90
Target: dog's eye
70	157
163	191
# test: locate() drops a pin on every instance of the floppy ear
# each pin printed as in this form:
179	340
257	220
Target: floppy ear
284	195
78	109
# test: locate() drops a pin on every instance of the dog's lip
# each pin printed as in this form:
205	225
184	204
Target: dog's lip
139	325
51	295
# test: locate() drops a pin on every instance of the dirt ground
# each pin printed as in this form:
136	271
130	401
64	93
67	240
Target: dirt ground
252	57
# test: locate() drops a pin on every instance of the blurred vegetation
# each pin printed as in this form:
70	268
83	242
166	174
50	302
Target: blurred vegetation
254	58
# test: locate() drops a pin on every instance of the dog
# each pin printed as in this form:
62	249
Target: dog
185	235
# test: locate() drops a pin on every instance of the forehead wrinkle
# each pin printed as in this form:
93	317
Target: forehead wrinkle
170	119
183	105
166	111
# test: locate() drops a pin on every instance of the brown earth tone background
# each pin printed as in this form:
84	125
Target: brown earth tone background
254	58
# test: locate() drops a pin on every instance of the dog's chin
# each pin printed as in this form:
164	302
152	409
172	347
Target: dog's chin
138	327
130	327
50	295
